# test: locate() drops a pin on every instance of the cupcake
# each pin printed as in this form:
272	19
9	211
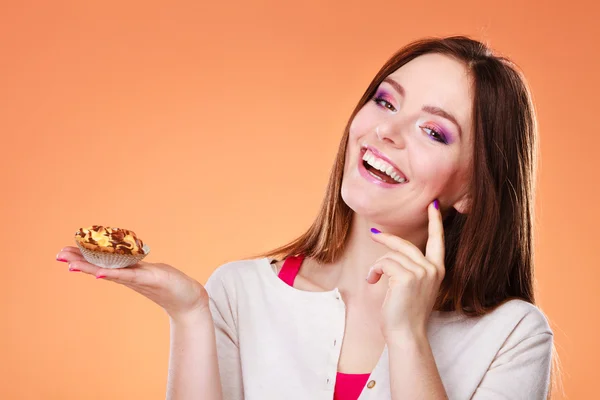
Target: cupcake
108	247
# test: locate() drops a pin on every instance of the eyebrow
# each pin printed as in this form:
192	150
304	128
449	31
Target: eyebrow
395	85
442	113
428	109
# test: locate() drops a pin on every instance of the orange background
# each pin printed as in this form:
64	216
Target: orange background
210	129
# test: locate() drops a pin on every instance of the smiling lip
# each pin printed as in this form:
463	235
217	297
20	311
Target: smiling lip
382	156
368	176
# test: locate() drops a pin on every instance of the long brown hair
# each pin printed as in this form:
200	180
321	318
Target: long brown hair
489	250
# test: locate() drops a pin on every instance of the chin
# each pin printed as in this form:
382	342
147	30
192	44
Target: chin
380	210
362	201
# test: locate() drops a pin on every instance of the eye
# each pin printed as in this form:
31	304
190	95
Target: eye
381	102
434	134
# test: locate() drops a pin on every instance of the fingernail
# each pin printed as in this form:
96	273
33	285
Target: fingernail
100	277
61	260
436	204
74	270
375	230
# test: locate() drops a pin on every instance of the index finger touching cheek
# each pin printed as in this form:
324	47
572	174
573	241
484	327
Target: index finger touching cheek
435	251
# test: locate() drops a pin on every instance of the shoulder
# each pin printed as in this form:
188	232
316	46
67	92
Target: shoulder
231	275
515	327
516	321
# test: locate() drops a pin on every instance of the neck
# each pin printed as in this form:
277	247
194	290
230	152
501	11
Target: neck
361	252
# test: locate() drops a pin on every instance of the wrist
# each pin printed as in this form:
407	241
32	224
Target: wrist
405	337
193	317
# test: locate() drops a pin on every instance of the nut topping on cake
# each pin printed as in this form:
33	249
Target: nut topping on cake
110	240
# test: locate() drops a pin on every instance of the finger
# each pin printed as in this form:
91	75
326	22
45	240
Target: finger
389	267
435	250
419	269
397	244
98	272
72	249
133	275
66	255
83	266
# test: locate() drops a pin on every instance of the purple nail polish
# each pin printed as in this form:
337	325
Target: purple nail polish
436	204
375	230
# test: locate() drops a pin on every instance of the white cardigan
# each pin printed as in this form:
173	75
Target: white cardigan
276	342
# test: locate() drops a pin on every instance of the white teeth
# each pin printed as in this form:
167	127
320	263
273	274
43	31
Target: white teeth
382	166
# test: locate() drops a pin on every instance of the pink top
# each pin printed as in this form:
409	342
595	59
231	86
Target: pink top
347	386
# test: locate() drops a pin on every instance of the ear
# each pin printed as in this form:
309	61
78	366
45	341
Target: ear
463	205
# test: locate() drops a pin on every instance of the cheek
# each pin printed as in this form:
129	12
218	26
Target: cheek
362	123
359	127
434	170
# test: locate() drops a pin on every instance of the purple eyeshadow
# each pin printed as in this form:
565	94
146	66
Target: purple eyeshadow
447	135
382	94
385	95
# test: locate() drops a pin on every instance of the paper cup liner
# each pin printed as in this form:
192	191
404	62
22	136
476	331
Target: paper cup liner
111	260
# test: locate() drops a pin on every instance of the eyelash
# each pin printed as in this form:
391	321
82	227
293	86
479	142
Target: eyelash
381	99
439	137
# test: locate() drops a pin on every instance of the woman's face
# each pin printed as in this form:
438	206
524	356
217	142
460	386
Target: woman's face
418	129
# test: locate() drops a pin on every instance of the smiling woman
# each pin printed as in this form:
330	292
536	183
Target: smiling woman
415	280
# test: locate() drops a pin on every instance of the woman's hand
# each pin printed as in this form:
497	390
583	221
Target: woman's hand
178	294
414	279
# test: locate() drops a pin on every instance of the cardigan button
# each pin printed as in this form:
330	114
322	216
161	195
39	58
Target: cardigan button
371	384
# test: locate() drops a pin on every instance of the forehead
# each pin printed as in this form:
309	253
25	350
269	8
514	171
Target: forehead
437	80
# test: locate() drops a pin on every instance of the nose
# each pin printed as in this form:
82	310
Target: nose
390	134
